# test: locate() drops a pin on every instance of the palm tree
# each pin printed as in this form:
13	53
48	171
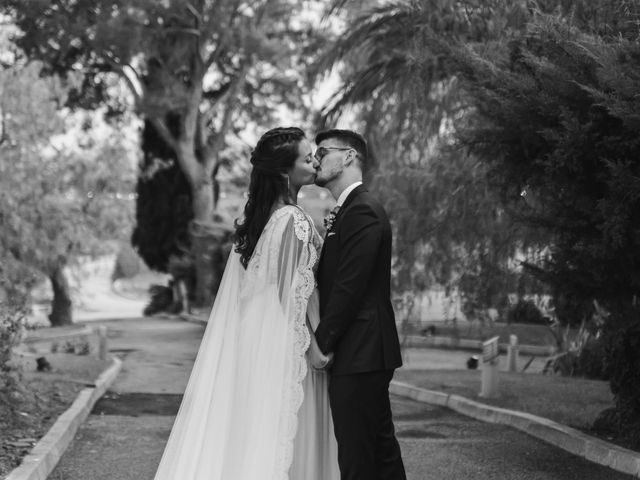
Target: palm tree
396	71
401	50
397	53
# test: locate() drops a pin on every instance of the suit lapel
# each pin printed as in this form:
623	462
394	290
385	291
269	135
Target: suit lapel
353	194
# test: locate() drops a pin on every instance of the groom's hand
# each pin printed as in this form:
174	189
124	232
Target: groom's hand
327	364
330	356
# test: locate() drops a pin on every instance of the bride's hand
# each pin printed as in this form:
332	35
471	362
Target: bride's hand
329	361
324	363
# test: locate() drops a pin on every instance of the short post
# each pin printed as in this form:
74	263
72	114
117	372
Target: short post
103	346
489	387
512	354
184	296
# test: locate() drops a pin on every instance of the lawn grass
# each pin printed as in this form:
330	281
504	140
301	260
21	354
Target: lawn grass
575	402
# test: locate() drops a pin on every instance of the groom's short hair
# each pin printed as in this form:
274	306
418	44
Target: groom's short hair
348	137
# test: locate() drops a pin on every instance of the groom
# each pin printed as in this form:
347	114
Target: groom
356	316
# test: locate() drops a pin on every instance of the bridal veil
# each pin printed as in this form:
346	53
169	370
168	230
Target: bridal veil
239	416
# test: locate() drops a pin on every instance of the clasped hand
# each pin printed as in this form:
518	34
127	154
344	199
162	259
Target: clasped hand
317	359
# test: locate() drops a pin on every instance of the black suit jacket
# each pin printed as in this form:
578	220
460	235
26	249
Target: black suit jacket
354	276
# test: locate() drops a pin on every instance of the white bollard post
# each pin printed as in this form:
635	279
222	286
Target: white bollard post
512	354
103	344
489	386
184	297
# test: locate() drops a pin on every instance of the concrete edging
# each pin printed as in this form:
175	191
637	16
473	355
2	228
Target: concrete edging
34	338
188	317
46	454
468	344
567	438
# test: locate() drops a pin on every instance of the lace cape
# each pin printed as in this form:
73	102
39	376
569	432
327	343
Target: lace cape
238	417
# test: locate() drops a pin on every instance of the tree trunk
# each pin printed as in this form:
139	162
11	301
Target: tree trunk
61	303
203	249
208	237
202	229
209	247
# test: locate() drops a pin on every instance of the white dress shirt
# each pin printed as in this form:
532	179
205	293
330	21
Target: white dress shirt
345	193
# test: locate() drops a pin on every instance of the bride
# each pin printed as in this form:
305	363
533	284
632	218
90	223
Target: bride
256	406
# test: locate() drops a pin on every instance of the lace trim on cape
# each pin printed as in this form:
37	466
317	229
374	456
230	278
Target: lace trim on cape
304	282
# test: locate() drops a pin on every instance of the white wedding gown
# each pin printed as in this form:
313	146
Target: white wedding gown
253	408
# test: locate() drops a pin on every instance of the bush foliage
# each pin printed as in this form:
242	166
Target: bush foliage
15	282
622	363
555	118
526	312
163	204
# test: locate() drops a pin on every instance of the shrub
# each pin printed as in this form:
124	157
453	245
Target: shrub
11	327
622	361
77	346
525	311
182	269
15	282
591	360
161	300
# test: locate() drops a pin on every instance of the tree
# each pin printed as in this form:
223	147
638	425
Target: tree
201	60
60	195
450	227
398	70
163	204
555	120
546	105
574	158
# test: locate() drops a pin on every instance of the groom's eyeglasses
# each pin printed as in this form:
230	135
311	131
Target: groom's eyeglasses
322	151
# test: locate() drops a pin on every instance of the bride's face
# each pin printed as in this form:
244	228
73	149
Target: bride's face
303	171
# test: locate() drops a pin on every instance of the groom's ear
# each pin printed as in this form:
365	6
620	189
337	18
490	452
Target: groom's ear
351	157
354	158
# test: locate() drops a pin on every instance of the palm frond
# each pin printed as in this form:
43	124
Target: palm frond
365	84
335	6
376	29
401	46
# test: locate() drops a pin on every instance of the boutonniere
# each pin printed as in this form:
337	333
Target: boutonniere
331	218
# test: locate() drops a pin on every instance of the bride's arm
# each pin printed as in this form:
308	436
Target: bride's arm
290	253
294	271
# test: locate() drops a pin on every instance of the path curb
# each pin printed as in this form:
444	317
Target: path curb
33	336
188	317
46	454
185	317
567	438
469	344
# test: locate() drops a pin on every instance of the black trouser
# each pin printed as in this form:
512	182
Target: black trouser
367	445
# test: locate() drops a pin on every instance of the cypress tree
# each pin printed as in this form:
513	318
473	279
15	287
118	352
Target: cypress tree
163	204
555	118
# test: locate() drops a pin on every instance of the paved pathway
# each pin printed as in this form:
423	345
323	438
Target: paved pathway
124	437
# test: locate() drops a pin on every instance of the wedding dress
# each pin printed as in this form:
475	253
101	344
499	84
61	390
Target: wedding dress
253	408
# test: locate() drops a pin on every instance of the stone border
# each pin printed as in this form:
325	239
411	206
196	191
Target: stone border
185	317
188	317
468	344
567	438
46	454
33	337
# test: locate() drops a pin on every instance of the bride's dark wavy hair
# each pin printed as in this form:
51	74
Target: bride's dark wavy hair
274	155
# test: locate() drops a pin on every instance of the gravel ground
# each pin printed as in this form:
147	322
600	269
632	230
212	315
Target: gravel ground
124	437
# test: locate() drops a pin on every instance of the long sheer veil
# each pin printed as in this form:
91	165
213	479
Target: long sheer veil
238	416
